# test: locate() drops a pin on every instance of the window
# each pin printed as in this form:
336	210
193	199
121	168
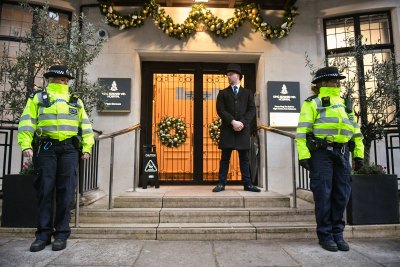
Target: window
371	31
16	23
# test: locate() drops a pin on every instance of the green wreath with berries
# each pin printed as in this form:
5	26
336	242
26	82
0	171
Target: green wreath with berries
214	129
171	131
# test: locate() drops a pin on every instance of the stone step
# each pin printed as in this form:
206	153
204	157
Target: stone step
213	231
193	215
137	202
282	215
206	231
119	216
258	201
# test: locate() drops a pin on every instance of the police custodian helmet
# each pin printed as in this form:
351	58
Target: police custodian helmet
58	71
326	74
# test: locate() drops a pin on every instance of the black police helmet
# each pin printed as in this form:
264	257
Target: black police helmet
234	68
326	74
58	71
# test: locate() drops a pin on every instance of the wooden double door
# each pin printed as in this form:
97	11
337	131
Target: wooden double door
187	91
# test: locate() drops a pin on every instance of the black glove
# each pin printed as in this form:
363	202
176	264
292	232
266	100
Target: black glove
358	163
305	163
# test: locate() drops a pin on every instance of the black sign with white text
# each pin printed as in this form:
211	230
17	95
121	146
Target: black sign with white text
283	103
118	96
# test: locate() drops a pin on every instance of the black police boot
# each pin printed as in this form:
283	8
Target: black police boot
39	245
342	245
219	188
329	245
59	244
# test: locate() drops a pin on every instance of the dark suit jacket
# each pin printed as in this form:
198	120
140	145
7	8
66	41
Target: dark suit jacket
241	108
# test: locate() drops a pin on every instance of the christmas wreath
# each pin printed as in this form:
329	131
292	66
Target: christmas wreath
214	130
171	131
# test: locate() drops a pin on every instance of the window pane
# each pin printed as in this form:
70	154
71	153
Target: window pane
373	89
15	21
375	29
338	32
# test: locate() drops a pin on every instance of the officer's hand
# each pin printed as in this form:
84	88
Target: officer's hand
358	163
28	153
85	156
305	163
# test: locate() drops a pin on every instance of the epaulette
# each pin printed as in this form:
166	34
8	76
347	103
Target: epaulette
34	92
309	99
73	100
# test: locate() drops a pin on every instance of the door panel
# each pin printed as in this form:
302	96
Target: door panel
173	96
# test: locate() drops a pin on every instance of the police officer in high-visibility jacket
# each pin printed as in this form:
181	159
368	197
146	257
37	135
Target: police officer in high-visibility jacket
326	132
52	129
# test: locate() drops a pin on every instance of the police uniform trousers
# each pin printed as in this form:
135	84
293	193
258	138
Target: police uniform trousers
330	182
57	171
244	165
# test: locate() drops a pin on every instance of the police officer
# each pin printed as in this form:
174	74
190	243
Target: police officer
325	132
53	126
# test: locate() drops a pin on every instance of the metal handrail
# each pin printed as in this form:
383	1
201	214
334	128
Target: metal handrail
112	135
120	132
292	139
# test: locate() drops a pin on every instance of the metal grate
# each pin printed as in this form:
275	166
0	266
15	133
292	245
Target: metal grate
173	95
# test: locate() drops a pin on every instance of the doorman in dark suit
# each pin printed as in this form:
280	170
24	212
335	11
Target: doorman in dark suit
236	108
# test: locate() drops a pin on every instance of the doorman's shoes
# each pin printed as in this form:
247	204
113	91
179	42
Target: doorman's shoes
251	188
342	245
219	188
59	244
39	245
329	245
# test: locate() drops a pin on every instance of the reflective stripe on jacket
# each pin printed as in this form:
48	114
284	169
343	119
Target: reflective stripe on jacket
59	121
331	122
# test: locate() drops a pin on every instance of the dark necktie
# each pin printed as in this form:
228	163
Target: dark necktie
235	89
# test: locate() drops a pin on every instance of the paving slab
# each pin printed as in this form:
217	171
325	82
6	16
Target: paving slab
114	252
309	253
252	253
386	252
16	253
173	253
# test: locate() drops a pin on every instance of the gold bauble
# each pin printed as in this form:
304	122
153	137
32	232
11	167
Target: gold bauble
254	11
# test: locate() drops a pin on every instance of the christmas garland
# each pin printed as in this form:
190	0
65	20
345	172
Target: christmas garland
199	14
215	130
168	124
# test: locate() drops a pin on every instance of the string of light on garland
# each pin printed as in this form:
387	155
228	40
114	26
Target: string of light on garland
199	14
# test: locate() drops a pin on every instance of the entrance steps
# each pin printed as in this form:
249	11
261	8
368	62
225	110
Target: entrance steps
196	213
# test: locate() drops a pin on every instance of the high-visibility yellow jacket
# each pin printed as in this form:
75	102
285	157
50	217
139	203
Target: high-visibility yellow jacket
60	121
332	122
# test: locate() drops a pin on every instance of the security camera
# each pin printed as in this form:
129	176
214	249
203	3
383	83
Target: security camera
102	34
